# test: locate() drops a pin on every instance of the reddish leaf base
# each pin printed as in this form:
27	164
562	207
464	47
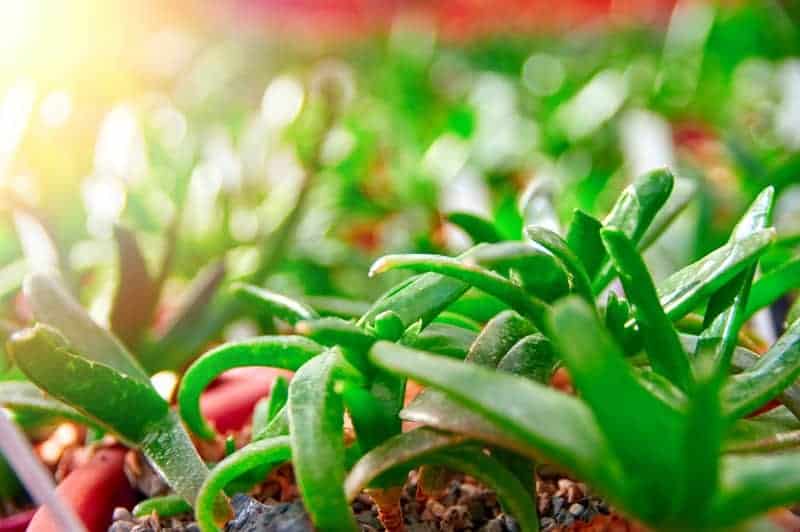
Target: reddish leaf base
17	522
93	491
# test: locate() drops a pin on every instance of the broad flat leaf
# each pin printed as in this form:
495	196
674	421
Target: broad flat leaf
273	304
682	291
770	375
285	352
54	306
646	433
479	229
466	272
255	455
553	425
661	341
583	238
497	337
404	448
317	440
553	243
137	292
22	396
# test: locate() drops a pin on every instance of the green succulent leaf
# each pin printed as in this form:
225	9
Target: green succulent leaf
683	192
532	357
766	378
420	298
317	440
599	371
269	407
478	228
556	426
336	332
634	211
337	307
583	238
129	408
402	449
661	342
753	484
443	339
53	305
682	291
23	396
285	352
256	455
772	286
273	304
481	278
561	250
497	337
163	506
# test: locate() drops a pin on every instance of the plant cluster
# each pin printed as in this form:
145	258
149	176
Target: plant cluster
664	377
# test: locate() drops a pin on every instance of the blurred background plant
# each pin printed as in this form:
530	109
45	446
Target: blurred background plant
153	154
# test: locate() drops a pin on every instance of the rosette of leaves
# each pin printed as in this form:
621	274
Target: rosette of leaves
663	377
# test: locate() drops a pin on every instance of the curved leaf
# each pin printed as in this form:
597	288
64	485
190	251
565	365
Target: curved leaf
404	448
269	407
164	506
338	307
481	278
444	339
770	375
317	440
285	352
560	249
772	286
555	426
479	229
427	446
254	455
532	357
273	304
497	337
336	332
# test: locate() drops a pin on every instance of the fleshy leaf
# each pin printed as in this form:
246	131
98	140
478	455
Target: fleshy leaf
285	352
772	286
22	396
599	371
583	238
532	357
317	440
560	249
479	229
687	288
274	304
661	342
481	278
497	337
555	425
54	306
271	451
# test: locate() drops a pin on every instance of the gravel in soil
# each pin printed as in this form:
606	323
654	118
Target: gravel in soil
465	506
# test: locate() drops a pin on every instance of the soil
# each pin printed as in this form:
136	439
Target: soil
465	506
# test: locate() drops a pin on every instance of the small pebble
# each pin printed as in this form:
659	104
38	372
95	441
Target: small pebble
576	509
